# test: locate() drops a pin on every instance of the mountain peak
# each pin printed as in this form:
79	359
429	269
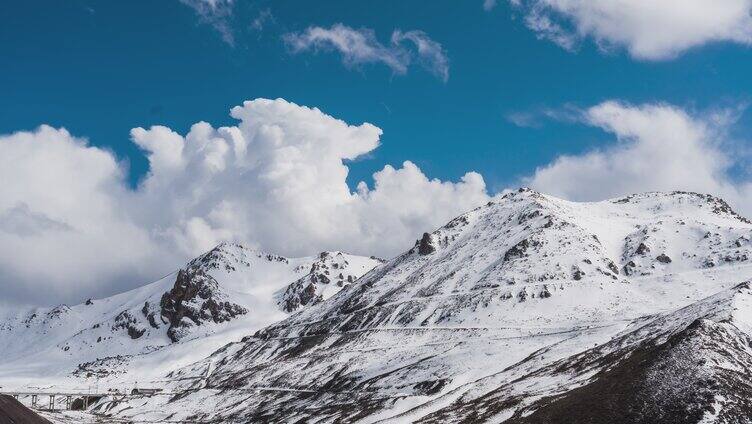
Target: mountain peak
529	247
229	256
327	275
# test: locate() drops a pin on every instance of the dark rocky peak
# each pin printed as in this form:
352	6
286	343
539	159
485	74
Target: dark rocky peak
425	245
195	299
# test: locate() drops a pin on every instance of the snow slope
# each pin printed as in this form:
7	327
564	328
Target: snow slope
528	309
139	335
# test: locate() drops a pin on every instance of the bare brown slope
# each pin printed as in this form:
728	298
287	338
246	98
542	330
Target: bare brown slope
13	412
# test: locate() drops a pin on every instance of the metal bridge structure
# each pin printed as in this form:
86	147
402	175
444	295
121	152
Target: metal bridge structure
87	398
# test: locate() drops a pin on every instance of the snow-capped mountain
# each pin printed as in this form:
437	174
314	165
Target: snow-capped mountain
222	295
530	309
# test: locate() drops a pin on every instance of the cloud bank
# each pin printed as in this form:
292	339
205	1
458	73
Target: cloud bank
361	46
71	227
659	147
648	29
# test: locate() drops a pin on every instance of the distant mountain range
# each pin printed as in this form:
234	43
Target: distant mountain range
530	309
141	334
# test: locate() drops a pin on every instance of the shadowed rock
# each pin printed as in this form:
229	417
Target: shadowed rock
14	412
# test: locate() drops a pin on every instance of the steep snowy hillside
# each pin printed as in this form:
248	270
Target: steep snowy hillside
216	298
528	309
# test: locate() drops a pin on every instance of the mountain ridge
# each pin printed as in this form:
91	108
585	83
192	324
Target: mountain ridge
527	309
487	318
229	289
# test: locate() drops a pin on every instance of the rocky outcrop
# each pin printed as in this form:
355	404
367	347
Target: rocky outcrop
663	258
327	275
129	323
425	246
193	301
642	249
302	292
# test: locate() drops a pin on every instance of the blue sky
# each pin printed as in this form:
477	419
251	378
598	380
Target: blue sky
100	68
113	183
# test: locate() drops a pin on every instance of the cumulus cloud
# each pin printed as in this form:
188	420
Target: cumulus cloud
71	227
648	29
361	46
63	226
659	147
216	13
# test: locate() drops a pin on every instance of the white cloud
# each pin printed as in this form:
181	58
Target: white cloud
63	220
430	53
216	13
648	29
22	221
659	148
357	46
70	226
360	46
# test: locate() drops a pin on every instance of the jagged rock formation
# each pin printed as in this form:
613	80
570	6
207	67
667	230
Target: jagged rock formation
327	276
129	323
529	309
192	301
425	246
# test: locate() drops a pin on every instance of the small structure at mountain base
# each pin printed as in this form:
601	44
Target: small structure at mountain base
145	392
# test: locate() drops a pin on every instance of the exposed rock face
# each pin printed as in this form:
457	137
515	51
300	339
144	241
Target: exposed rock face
663	258
517	251
425	246
128	322
326	276
302	293
192	301
642	249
